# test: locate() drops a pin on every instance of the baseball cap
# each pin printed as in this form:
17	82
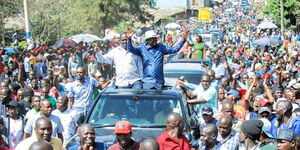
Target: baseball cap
296	86
122	127
207	110
264	102
235	93
264	109
266	127
286	134
13	104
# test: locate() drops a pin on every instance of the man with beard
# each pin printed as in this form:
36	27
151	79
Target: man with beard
129	67
87	139
284	118
208	136
81	91
152	54
172	137
43	130
204	94
123	133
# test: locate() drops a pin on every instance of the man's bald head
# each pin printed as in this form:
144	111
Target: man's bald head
175	122
226	119
173	117
227	106
149	144
210	129
41	145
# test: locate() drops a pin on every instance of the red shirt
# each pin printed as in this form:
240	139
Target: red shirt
169	143
116	146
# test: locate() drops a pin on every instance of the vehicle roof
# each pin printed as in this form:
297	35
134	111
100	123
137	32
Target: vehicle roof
167	91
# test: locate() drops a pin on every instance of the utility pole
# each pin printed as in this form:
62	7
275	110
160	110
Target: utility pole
27	29
281	17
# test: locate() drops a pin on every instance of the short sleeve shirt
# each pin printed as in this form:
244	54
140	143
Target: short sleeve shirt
56	125
83	93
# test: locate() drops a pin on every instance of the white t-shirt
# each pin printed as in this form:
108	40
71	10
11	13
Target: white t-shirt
15	132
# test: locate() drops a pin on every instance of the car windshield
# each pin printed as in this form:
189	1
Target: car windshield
193	78
141	111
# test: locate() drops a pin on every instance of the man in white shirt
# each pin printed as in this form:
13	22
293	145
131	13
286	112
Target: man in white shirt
129	67
67	117
27	65
43	130
46	110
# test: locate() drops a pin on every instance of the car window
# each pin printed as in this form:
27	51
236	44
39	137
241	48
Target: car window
140	111
189	77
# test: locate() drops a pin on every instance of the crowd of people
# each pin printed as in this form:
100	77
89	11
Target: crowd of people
248	99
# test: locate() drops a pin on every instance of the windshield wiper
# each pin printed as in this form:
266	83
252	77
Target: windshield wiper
151	126
103	125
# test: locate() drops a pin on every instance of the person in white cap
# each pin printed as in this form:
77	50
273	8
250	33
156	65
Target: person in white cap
152	54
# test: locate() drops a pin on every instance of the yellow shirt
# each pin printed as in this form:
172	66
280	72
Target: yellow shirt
25	144
32	60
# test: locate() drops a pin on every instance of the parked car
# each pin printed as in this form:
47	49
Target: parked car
146	110
190	70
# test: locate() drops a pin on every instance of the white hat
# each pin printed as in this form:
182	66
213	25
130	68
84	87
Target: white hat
150	34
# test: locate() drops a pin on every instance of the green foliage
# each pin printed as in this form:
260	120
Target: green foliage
291	11
51	20
22	45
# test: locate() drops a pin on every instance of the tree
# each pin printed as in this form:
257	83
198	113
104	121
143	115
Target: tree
291	12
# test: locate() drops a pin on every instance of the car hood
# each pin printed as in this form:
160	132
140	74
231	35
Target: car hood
106	135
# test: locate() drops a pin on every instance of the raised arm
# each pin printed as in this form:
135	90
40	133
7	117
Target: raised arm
175	49
129	46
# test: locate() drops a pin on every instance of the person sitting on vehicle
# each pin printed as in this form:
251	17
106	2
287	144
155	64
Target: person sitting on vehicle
165	109
87	139
123	133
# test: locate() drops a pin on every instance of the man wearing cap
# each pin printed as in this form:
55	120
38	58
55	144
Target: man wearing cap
286	140
129	67
172	137
13	125
152	54
250	132
123	133
207	115
266	141
284	118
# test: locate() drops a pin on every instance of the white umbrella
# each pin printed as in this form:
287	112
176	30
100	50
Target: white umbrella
267	25
172	26
85	38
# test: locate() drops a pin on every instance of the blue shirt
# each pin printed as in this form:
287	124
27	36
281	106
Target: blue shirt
152	59
293	124
97	146
83	93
